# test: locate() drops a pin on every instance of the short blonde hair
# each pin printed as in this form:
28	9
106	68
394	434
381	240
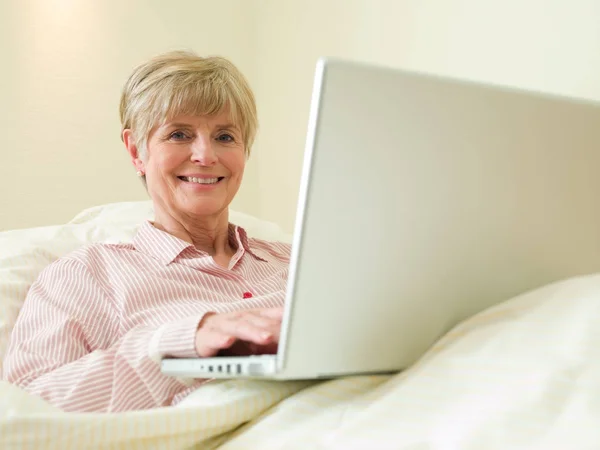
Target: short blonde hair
181	82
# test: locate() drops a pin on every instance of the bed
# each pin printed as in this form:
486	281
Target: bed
524	374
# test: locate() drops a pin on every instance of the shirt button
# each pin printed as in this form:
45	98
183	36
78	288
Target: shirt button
247	295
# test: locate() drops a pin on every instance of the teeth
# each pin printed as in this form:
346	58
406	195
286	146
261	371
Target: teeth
201	180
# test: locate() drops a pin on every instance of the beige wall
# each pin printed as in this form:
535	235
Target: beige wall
60	149
548	45
67	59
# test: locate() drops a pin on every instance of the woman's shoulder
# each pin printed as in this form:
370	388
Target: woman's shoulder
89	255
99	250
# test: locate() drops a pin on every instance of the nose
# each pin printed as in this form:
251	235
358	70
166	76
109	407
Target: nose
203	151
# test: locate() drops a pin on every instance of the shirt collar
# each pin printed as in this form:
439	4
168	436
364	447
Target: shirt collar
166	248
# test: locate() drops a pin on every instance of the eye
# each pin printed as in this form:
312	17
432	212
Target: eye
225	137
178	136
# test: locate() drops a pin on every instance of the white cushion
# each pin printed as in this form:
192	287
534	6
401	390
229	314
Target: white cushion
25	253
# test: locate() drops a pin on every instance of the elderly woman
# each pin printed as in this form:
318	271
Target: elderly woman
97	322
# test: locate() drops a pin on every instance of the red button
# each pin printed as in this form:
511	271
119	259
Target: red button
247	295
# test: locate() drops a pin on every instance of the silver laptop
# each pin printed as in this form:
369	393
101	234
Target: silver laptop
423	201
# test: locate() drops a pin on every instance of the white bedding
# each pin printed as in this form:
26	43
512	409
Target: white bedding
522	375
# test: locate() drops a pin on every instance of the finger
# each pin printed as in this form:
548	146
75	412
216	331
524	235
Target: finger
265	322
272	326
256	326
246	330
273	313
210	341
258	320
269	320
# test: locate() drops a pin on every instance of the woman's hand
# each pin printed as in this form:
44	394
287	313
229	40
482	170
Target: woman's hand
239	333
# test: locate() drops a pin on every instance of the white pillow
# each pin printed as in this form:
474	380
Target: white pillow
25	253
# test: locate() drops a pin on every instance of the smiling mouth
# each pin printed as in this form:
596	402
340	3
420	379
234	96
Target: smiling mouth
201	180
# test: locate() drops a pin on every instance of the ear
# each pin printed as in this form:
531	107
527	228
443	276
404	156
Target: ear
132	149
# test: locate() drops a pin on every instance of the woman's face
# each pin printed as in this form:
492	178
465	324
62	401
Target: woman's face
194	165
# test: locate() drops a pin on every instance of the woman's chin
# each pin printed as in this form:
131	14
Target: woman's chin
205	207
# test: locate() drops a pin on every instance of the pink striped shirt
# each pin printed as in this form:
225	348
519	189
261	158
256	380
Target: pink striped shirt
96	323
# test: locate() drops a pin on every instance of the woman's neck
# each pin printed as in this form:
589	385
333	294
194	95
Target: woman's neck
207	234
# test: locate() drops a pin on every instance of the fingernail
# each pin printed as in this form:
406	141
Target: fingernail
266	335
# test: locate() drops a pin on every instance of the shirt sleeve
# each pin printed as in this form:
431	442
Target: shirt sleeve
66	347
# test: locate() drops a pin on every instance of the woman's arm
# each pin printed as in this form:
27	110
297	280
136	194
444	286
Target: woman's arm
66	347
